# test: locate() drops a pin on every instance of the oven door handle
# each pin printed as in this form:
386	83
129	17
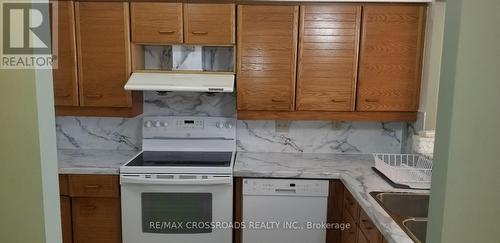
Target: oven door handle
152	181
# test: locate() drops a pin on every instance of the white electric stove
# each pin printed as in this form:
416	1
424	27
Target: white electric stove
180	187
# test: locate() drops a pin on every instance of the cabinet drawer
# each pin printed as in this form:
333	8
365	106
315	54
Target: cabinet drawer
209	23
349	235
156	22
351	205
369	229
63	185
93	186
96	220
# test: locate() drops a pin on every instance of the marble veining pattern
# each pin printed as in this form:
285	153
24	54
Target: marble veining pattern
354	170
189	104
158	57
98	133
320	137
93	161
186	57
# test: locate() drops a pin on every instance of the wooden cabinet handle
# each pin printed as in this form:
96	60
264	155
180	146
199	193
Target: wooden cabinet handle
91	187
62	95
371	100
367	224
199	33
96	96
338	101
166	32
277	100
88	207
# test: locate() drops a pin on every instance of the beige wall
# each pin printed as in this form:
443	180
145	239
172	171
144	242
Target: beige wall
465	197
432	66
29	205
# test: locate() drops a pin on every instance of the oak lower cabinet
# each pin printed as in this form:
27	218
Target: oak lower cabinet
362	229
390	57
266	57
94	60
90	208
66	221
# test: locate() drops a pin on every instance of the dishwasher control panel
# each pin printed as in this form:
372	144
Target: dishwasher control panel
303	187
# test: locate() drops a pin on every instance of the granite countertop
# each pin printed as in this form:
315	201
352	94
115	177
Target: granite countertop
353	170
92	161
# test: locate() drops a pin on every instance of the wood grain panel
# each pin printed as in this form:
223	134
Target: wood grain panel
154	22
335	210
94	186
209	23
331	115
238	208
349	235
103	41
391	57
96	220
63	185
266	57
65	76
66	224
370	231
328	54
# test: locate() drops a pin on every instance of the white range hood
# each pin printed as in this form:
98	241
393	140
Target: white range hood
155	81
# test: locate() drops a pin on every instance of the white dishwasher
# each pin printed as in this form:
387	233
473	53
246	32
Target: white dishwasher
284	211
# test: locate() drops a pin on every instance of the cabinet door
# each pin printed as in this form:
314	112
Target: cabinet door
156	22
67	235
103	53
349	235
65	74
390	57
266	62
328	57
96	220
209	23
370	231
362	238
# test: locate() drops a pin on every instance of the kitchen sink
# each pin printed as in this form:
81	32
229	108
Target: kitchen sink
404	204
416	228
409	210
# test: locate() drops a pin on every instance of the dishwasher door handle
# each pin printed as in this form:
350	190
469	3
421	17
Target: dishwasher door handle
285	190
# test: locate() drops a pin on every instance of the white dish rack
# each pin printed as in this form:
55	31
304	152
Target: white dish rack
412	170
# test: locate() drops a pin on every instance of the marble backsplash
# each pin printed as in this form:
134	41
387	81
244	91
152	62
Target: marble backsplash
253	136
189	57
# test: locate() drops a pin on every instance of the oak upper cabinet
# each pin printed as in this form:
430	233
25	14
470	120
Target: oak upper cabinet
156	22
65	75
328	57
266	57
209	23
390	57
102	30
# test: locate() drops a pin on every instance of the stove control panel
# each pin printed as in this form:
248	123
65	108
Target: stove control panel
189	127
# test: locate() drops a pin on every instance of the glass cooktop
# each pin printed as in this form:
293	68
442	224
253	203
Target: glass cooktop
184	159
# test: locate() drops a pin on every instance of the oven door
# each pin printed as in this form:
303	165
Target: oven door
176	208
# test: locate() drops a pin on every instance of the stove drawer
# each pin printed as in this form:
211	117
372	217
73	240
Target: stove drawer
94	186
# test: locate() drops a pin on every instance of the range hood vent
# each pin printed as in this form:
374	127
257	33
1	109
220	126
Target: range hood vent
151	81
